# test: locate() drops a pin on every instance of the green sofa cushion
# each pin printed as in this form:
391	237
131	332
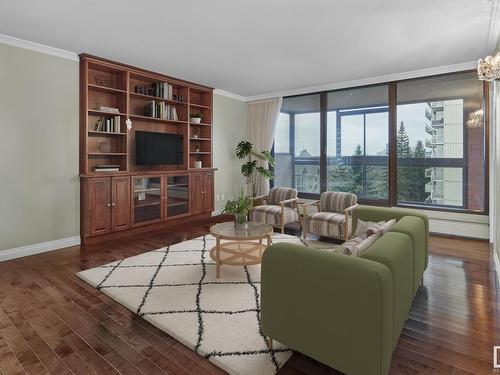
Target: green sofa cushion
414	227
395	251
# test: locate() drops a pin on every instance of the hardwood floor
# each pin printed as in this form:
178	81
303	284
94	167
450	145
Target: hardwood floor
52	322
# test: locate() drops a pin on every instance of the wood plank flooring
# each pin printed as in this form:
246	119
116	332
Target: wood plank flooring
51	322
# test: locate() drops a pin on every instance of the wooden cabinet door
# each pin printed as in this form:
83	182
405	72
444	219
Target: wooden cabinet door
147	200
120	203
197	195
177	196
99	197
208	188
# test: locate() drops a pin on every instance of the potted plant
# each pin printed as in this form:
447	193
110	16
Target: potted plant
239	207
251	169
195	118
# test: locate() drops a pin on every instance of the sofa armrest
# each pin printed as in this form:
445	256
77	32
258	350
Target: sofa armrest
347	212
351	208
307	204
291	200
328	306
394	250
256	201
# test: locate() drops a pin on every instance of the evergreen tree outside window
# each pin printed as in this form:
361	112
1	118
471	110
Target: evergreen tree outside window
342	141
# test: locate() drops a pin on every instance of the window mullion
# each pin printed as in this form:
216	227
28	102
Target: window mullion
393	148
323	141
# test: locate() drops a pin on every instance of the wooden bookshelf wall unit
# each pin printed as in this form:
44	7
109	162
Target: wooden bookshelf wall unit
118	196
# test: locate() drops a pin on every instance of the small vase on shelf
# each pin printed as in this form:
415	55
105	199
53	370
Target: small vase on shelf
195	118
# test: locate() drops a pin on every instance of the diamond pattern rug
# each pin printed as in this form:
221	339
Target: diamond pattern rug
175	289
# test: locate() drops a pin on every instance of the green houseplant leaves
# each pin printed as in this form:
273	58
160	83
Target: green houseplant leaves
244	149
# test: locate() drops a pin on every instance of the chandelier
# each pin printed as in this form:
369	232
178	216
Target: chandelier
489	68
475	119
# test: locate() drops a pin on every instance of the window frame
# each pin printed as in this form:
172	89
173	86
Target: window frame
392	157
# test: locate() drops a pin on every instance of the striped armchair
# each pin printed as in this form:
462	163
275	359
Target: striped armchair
279	209
333	216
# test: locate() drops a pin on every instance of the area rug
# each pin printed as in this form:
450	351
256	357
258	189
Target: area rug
175	289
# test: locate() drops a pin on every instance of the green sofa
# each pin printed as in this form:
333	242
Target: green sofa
347	312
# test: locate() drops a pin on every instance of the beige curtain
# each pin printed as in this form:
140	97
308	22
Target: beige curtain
262	118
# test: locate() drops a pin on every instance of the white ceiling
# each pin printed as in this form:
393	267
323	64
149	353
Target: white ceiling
254	47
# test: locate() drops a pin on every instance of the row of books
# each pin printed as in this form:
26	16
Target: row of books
158	89
107	168
161	110
108	124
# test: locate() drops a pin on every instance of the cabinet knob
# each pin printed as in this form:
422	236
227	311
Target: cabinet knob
109	204
113	204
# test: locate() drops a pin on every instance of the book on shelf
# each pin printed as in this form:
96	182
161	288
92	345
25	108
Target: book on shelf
168	91
162	90
108	125
106	168
161	110
107	109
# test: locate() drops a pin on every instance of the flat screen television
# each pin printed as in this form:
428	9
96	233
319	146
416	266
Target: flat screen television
158	148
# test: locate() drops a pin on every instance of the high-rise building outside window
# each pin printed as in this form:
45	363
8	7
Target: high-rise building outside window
427	157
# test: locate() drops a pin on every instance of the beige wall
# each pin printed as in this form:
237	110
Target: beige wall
39	189
38	147
230	127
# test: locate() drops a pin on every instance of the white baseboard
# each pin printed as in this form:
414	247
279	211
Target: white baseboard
457	223
497	264
37	248
217	212
467	229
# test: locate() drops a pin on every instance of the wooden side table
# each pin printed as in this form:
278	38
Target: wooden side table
243	247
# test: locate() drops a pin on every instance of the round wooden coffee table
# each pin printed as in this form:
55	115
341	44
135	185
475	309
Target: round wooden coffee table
243	247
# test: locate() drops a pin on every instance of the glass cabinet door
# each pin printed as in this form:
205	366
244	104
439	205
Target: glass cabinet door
147	199
177	195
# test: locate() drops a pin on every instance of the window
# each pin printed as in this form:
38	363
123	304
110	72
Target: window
297	146
358	161
437	153
282	138
342	140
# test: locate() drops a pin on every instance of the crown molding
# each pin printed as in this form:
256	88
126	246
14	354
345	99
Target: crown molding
230	95
37	47
493	28
370	81
493	36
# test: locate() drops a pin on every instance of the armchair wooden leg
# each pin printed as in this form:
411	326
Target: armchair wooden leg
282	220
270	341
304	229
298	215
346	227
